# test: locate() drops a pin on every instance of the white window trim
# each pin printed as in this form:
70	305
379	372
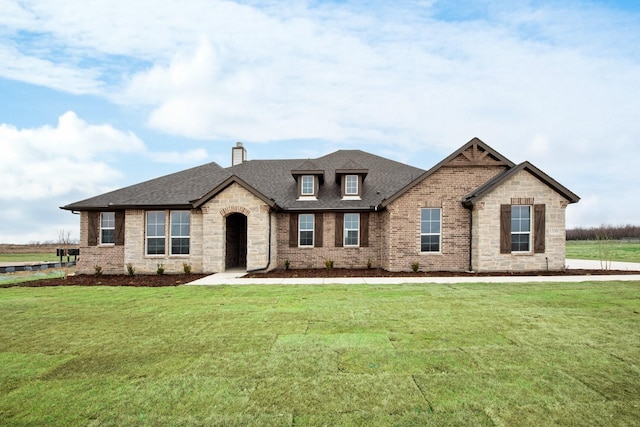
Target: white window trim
171	236
530	233
439	251
147	237
346	185
345	229
313	232
108	228
304	194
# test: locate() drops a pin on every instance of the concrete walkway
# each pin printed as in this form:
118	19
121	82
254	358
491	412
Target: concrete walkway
235	277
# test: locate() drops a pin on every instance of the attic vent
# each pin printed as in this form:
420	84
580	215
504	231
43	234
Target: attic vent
238	154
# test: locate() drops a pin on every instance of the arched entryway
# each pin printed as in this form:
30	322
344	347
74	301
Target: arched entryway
236	241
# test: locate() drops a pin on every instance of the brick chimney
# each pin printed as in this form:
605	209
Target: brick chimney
238	154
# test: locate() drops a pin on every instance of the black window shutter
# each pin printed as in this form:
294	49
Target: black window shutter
318	225
119	238
293	230
539	212
339	229
505	229
92	228
364	229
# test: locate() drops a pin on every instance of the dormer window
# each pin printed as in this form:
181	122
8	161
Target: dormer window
350	178
308	180
351	185
307	186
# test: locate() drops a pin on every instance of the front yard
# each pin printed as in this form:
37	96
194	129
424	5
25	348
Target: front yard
473	354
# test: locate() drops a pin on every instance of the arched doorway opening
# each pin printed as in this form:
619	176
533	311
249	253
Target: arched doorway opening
236	242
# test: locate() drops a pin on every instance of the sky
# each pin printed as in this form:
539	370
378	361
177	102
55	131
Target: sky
97	95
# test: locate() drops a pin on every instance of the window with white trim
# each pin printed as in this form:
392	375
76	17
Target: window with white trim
307	185
351	229
180	232
107	228
305	230
520	228
430	229
351	185
155	233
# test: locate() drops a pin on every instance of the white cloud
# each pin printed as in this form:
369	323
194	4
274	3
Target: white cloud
52	161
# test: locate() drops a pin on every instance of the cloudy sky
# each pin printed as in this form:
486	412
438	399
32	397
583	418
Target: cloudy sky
96	95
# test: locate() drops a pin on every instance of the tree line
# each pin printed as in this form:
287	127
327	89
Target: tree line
605	232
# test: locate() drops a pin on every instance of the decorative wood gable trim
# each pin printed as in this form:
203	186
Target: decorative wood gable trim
480	159
478	154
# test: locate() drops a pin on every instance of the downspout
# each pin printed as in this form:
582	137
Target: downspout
269	252
471	238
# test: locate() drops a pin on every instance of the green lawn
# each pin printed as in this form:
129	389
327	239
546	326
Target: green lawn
609	250
466	354
36	257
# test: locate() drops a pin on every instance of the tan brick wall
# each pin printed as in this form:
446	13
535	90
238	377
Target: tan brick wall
315	257
486	220
444	189
109	257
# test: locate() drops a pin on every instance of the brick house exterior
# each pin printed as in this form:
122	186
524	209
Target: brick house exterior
475	210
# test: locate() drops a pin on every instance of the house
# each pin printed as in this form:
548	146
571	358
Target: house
475	210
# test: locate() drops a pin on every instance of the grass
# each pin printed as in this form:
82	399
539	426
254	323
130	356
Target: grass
10	279
467	354
35	257
607	250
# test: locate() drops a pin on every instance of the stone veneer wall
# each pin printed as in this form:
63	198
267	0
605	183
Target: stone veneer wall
109	257
235	199
444	189
342	257
486	221
135	245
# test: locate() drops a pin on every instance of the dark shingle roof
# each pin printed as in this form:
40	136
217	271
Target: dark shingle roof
271	178
177	189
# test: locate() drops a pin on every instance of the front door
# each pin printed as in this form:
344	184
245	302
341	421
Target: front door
236	238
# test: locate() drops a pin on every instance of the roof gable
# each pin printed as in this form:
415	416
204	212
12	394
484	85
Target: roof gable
226	183
470	199
474	153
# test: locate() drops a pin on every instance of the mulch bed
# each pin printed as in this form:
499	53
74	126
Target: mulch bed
147	280
154	280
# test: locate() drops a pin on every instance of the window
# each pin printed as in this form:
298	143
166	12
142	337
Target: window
180	232
307	186
155	233
351	229
520	228
306	227
351	185
430	226
107	228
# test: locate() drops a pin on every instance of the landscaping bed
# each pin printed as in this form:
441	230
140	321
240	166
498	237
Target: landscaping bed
148	280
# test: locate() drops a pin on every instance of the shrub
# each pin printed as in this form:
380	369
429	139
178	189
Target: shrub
130	270
186	267
415	267
287	264
328	264
97	271
369	264
160	270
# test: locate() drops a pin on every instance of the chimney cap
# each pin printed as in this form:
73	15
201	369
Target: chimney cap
238	144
